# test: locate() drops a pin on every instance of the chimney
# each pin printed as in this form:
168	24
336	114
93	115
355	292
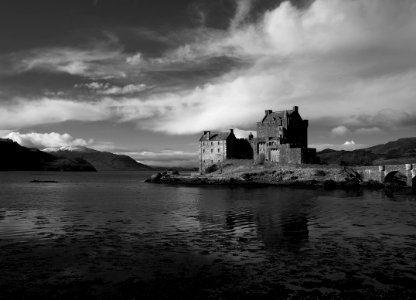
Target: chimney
208	134
295	108
232	131
250	136
268	112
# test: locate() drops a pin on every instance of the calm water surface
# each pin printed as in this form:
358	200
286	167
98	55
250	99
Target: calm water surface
109	235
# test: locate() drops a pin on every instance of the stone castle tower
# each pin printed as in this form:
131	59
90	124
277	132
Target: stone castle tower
282	137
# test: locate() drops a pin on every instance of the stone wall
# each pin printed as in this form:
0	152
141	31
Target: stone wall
268	130
215	152
211	152
286	155
290	155
379	173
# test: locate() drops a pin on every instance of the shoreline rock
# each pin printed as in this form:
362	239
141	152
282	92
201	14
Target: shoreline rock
285	176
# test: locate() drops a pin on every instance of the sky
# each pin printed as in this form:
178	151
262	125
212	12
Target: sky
146	77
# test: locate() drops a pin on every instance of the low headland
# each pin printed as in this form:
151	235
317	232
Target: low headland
247	172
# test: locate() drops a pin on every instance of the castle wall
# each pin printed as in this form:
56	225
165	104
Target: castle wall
286	155
268	130
290	155
281	137
211	152
215	152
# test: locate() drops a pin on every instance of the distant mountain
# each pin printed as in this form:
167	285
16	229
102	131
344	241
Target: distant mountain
14	157
396	152
102	161
179	169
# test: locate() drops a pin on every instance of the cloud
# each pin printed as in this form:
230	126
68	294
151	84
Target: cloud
4	132
340	131
243	134
243	9
384	119
333	59
134	59
107	89
96	61
47	140
347	145
127	89
348	62
369	130
30	112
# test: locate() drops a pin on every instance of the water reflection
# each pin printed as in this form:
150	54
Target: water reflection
287	232
274	223
117	229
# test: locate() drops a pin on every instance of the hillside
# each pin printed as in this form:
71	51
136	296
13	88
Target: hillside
103	161
395	152
14	157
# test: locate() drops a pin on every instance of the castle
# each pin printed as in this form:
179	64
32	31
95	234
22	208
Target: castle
282	137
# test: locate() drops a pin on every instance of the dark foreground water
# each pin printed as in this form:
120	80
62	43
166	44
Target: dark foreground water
108	235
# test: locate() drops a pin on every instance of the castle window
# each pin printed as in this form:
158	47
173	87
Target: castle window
203	150
218	150
212	150
212	143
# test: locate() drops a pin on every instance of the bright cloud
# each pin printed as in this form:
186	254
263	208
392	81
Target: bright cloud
243	134
348	146
349	62
47	140
21	113
341	60
135	59
107	89
340	131
96	62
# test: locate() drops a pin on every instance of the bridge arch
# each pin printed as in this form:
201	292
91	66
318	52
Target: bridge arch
414	181
396	177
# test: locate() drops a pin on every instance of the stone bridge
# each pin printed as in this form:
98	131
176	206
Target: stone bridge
385	173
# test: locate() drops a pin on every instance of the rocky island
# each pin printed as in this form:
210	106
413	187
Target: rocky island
279	155
244	172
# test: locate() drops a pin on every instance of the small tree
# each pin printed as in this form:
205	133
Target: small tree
211	168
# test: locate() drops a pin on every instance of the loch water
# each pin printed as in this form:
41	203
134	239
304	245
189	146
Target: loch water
108	235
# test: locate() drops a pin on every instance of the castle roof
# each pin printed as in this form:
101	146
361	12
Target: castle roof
215	136
277	115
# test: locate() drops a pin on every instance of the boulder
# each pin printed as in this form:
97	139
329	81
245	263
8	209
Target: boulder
154	178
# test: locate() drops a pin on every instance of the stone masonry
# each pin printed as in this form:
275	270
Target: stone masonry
215	147
282	137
